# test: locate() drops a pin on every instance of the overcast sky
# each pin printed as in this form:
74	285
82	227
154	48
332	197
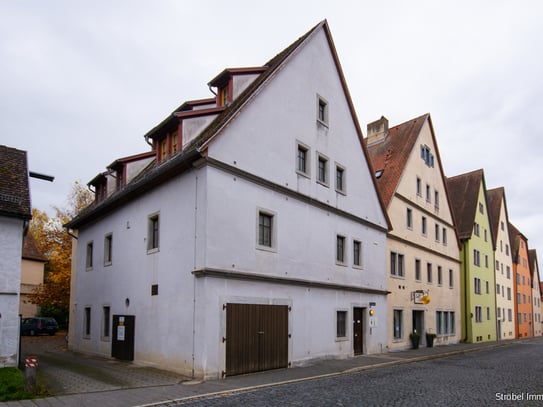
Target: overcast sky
82	82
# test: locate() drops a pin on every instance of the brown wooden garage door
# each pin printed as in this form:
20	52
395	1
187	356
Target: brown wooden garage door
256	337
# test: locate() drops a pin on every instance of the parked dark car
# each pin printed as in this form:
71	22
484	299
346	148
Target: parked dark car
39	325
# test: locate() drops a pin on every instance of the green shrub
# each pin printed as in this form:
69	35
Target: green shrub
12	383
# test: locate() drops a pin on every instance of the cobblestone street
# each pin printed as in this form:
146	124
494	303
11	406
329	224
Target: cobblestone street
506	376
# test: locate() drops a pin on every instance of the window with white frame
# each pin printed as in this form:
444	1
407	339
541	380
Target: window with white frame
437	232
397	324
341	324
322	169
302	159
478	313
397	264
357	253
340	179
153	232
87	322
106	322
419	186
477	285
424	226
418	273
439	275
428	194
340	249
444	236
429	273
476	257
266	230
322	110
451	278
409	218
89	255
108	249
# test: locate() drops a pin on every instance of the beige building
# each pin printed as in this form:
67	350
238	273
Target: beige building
423	264
32	269
536	293
505	290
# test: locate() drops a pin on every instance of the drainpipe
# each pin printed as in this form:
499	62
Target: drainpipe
194	277
466	313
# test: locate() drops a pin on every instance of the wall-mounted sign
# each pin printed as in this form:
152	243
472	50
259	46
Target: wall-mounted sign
420	297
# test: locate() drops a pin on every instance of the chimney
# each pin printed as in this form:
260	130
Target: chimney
377	131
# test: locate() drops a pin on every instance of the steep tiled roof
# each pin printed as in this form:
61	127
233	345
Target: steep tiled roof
516	236
495	197
30	249
391	155
14	190
532	258
464	196
154	174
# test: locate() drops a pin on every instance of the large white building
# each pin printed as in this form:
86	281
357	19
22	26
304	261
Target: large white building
15	213
251	237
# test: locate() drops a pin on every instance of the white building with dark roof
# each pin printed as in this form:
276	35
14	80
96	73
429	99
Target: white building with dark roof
15	213
254	239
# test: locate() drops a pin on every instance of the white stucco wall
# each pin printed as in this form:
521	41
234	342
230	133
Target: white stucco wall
209	219
11	244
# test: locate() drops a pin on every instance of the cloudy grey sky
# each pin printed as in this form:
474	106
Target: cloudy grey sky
82	82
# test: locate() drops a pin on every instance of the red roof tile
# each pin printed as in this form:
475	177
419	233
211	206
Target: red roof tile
391	154
30	249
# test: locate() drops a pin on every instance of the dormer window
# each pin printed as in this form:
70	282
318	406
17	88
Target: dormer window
223	96
119	176
101	191
163	149
175	142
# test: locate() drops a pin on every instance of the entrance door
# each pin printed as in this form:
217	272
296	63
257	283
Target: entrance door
256	337
418	323
122	344
358	330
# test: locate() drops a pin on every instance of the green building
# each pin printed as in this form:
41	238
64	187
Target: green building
478	281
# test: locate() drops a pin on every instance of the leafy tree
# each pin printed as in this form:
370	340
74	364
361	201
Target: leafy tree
54	242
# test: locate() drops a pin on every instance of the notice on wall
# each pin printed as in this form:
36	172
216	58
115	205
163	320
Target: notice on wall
120	333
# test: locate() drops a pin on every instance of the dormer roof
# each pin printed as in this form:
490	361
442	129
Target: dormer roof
222	79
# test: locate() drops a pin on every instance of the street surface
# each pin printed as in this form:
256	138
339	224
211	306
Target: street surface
505	376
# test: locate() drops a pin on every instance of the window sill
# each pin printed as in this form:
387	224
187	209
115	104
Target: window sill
341	339
323	183
152	251
303	174
107	264
266	248
341	192
397	277
325	124
88	269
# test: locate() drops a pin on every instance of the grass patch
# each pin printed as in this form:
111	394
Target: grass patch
12	382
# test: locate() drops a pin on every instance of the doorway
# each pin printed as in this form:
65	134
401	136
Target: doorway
418	323
358	330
